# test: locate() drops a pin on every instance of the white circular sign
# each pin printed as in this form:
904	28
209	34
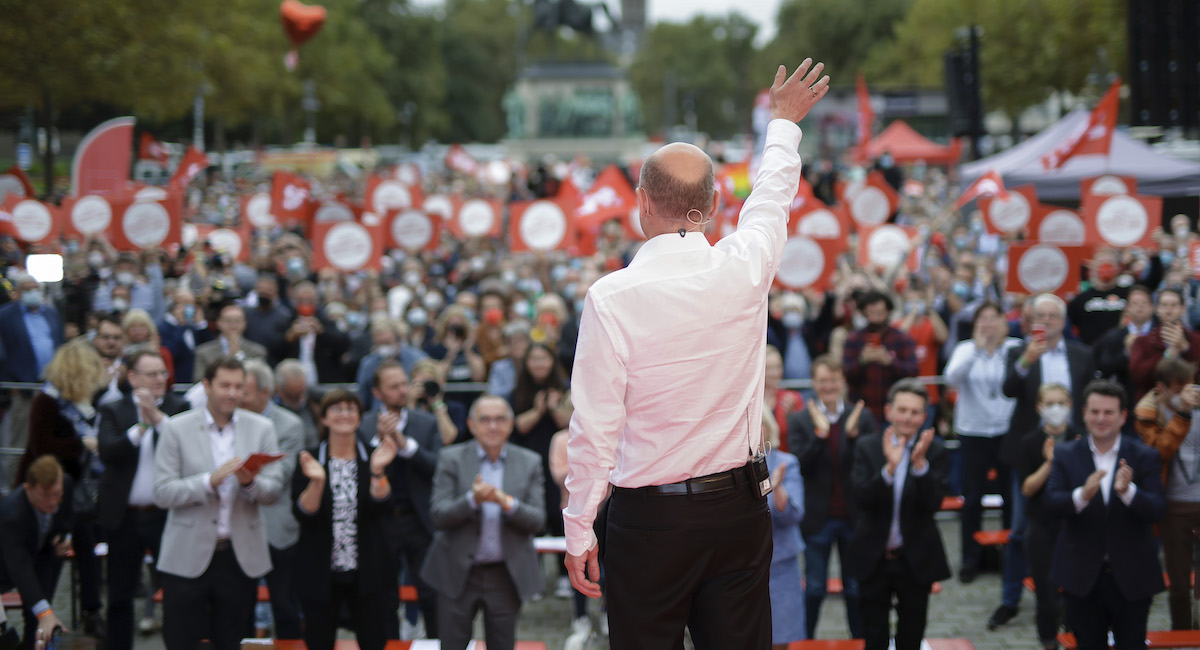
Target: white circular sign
1010	215
498	172
635	221
438	204
1109	185
851	189
91	215
1062	227
802	264
1122	220
188	234
412	229
820	224
408	174
870	206
887	246
1043	269
391	195
348	246
543	225
258	211
146	225
10	185
150	194
331	211
476	218
224	240
32	220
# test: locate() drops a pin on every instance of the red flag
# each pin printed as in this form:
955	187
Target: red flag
291	197
102	161
31	220
990	184
386	194
866	116
809	263
1011	214
15	182
540	225
144	223
459	160
1095	137
610	197
151	149
1035	268
1121	220
193	162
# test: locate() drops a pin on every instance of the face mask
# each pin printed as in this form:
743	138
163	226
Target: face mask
295	267
962	241
558	273
962	290
120	304
1167	257
792	320
32	298
354	319
386	351
859	321
478	264
1106	272
124	278
1055	415
264	303
916	307
417	317
189	313
493	316
509	276
412	278
95	259
548	320
433	301
306	309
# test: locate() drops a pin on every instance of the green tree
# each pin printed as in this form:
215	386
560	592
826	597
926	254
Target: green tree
841	34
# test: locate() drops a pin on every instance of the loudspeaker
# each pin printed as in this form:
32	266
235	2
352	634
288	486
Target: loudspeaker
1164	57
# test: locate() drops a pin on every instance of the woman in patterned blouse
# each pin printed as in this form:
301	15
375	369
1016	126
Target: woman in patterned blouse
342	499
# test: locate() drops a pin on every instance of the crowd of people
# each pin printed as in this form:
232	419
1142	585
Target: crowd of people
393	395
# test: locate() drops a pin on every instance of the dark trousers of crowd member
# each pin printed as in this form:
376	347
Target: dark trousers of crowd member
83	542
141	529
1039	551
1091	616
894	579
285	607
1178	539
1015	566
490	588
369	612
979	454
702	560
410	543
817	551
218	605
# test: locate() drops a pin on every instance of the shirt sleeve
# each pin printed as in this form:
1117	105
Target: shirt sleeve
1077	499
1127	498
134	433
762	224
410	448
596	425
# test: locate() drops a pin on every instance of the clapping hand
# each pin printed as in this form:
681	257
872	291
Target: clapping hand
917	458
893	450
852	421
1123	478
820	422
793	97
224	471
311	469
1048	449
1092	485
384	454
148	411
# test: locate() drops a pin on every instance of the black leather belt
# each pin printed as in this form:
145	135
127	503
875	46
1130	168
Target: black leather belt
701	484
150	508
224	545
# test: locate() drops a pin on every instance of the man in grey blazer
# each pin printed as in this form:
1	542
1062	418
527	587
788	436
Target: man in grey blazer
282	529
214	545
231	323
487	506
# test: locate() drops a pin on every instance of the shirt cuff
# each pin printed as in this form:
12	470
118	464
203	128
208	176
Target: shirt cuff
410	448
135	435
471	501
208	486
516	503
303	509
920	473
789	130
1020	368
1127	498
576	548
40	606
1077	497
887	478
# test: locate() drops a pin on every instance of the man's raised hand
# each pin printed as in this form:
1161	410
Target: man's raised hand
792	97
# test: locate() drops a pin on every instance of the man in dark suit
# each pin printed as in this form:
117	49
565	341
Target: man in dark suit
314	338
35	528
823	437
410	474
30	332
487	506
1045	358
900	478
1107	488
128	435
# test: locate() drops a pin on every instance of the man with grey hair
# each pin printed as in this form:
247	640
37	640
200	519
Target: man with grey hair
282	530
1045	358
654	420
30	332
293	393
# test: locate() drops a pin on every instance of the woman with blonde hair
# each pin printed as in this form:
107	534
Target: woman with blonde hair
63	423
141	332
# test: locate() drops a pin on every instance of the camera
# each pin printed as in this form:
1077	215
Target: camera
458	331
432	389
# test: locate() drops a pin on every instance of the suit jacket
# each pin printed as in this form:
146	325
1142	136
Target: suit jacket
1082	366
1124	533
282	528
785	531
331	344
207	353
414	474
31	567
816	463
377	570
458	524
17	361
173	337
920	500
121	458
182	463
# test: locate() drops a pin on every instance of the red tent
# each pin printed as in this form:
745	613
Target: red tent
908	146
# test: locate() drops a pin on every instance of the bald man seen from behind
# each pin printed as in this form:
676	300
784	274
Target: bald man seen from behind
670	414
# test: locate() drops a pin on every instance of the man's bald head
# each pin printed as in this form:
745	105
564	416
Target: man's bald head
678	178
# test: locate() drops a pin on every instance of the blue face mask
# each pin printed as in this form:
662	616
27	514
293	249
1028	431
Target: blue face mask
189	313
961	289
1167	257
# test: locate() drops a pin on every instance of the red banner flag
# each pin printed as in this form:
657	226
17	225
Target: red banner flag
193	162
990	184
866	116
291	198
151	149
1095	137
15	182
32	221
460	161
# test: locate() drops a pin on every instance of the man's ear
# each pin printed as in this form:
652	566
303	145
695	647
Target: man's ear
643	199
716	202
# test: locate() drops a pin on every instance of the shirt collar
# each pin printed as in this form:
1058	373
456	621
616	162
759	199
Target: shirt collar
323	451
211	422
1096	452
911	441
669	243
841	406
483	454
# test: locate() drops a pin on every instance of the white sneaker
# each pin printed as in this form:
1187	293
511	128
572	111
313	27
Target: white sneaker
563	588
581	626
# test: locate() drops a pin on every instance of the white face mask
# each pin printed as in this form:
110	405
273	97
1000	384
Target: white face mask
792	320
1055	415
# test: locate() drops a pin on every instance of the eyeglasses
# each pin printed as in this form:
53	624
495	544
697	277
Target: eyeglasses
345	407
153	374
497	420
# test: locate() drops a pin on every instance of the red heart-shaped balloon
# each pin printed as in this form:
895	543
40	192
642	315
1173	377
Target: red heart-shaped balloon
301	21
